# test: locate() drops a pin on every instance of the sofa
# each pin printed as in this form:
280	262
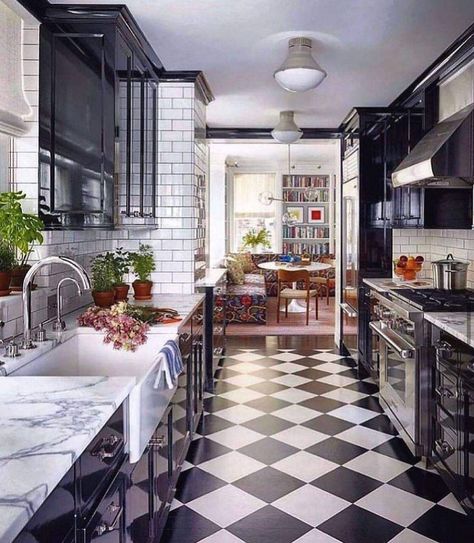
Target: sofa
247	303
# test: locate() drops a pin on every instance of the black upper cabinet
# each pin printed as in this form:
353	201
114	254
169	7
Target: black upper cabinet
98	121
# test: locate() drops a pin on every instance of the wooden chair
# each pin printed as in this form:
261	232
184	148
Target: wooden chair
324	282
285	293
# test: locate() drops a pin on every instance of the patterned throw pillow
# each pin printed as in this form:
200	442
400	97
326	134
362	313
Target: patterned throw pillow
235	271
245	260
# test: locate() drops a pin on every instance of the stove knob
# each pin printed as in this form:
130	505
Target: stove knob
386	314
408	327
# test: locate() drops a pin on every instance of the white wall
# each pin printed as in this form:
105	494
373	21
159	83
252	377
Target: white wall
435	245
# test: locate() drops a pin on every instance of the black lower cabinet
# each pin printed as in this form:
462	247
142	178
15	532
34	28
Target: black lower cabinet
55	520
105	498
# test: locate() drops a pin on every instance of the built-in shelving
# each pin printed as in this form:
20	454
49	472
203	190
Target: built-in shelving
307	235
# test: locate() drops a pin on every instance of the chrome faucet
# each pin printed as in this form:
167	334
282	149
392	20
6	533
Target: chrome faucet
27	342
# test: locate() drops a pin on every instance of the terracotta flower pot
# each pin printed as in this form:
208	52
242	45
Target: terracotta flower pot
18	275
5	278
142	289
104	299
121	292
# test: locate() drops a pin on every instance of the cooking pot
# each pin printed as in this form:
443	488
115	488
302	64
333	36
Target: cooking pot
449	274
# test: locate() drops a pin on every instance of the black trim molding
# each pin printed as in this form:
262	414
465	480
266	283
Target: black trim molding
266	133
190	76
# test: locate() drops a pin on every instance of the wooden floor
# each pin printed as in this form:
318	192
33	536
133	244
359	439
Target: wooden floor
295	324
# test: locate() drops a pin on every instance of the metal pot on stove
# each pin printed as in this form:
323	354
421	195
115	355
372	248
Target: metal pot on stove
449	273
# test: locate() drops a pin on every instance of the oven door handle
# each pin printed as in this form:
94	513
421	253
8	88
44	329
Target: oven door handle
404	351
348	310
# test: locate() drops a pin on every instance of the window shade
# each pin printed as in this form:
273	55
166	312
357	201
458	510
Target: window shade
14	108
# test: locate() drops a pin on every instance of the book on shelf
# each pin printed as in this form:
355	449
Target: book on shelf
306	181
306	232
311	248
300	196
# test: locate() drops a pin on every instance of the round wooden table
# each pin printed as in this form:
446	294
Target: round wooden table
294	306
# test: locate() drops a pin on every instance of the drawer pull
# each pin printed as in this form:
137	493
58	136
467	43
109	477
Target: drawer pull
445	448
105	527
218	351
218	329
107	448
185	337
445	392
443	348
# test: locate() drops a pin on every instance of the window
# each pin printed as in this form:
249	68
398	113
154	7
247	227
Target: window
247	211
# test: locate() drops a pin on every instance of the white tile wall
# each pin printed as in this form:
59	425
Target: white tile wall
434	245
177	243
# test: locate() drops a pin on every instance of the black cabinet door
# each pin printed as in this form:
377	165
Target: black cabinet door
137	130
161	445
76	128
55	519
139	499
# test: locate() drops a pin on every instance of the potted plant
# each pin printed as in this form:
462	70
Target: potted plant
7	262
256	238
143	264
20	231
103	278
121	266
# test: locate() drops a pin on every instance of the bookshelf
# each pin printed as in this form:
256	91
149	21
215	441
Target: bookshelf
313	232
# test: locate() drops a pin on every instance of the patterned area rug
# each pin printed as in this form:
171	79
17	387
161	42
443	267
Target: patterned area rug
294	448
294	324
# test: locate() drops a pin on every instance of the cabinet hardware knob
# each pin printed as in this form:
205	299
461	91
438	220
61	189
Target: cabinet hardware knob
107	448
444	447
445	392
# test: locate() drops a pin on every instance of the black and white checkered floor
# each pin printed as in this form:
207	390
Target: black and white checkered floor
293	447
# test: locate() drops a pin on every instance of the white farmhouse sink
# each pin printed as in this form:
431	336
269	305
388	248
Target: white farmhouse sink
86	355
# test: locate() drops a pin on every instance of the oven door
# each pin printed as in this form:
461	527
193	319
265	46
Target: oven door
398	382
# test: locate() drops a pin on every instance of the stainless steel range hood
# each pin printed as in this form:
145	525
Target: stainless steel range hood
445	155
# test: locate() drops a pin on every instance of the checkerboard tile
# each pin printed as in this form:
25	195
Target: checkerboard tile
294	448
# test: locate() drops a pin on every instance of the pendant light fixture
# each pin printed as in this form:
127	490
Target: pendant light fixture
300	72
286	131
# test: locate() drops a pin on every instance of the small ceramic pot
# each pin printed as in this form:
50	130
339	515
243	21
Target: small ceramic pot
5	278
121	292
18	275
104	299
142	289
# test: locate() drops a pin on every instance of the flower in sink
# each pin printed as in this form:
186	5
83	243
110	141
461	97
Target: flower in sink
122	330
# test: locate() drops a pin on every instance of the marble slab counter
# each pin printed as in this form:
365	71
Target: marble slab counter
212	277
387	283
45	425
459	325
184	304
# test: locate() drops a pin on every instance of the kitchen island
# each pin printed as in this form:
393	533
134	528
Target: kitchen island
64	463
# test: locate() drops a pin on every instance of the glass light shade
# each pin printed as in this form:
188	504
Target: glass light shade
265	198
300	72
288	220
286	131
311	194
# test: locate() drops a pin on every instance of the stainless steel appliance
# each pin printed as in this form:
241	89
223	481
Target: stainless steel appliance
350	253
405	373
402	379
449	273
453	416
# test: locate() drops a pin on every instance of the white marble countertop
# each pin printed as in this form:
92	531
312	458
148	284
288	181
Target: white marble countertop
45	425
212	277
387	283
184	304
459	325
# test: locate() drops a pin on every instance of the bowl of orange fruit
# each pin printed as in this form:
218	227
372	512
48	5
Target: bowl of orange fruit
406	267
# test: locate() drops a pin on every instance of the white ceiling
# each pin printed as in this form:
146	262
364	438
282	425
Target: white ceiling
322	152
371	49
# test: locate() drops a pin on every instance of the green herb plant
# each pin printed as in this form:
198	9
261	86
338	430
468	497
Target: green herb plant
142	262
253	238
19	230
103	273
7	257
120	262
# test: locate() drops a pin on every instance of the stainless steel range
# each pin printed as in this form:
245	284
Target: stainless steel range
398	329
405	374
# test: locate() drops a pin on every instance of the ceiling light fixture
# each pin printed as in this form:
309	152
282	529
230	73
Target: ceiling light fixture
286	131
300	72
